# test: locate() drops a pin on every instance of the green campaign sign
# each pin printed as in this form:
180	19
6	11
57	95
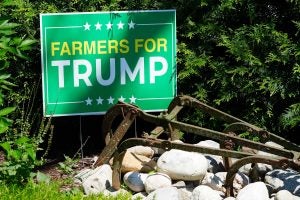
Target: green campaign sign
90	61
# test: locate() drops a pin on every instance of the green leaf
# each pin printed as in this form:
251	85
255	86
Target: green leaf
6	146
6	25
22	140
7	110
3	129
4	76
26	43
4	124
31	153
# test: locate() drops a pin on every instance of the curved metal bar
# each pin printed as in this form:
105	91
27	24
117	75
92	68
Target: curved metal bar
120	109
283	163
215	135
110	148
263	134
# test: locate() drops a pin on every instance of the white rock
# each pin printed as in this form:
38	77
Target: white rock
284	180
142	150
178	141
82	175
229	198
204	192
256	191
157	180
215	163
185	193
285	195
98	180
216	181
165	193
182	165
208	143
135	181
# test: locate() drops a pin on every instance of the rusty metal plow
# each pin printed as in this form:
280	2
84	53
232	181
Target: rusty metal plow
167	122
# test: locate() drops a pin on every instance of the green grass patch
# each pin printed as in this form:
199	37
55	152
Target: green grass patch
51	191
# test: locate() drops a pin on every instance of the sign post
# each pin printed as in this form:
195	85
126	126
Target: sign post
92	60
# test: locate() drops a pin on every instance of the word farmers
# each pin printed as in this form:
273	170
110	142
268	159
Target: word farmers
97	47
83	70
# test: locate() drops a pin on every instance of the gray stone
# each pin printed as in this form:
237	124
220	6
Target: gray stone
264	168
135	181
204	192
98	180
164	194
185	193
179	184
182	165
157	180
216	181
257	191
285	195
284	180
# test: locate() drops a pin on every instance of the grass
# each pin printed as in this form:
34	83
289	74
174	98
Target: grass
51	191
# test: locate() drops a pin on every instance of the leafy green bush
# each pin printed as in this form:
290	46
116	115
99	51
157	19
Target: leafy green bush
20	149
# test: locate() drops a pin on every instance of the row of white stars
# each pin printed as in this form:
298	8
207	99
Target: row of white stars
110	100
109	26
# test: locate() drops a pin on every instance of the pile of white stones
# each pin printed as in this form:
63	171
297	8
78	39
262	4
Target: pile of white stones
151	173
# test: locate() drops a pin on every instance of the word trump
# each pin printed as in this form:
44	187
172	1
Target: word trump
107	47
125	70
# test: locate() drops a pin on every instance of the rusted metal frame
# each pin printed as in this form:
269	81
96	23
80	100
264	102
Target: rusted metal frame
162	121
217	135
166	145
263	134
280	163
119	133
236	122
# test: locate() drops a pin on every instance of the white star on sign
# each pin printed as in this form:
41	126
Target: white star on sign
98	26
109	26
131	25
120	25
99	100
87	26
132	99
110	100
122	99
88	101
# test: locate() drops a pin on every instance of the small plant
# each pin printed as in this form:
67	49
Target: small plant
67	166
20	160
